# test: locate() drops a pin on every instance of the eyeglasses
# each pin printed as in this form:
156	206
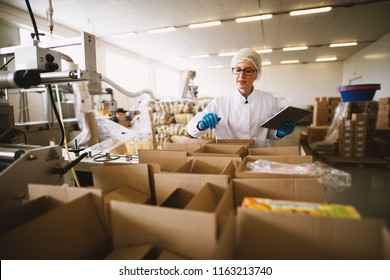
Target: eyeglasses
247	71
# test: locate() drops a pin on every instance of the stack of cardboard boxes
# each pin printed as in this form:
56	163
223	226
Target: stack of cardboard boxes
383	120
173	205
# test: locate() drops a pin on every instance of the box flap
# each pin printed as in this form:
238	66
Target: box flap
206	199
130	253
71	231
168	160
108	178
267	235
273	151
187	233
166	183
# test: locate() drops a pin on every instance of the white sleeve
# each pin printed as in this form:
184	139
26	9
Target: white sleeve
192	125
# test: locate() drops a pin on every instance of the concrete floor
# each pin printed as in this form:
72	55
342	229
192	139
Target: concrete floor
370	190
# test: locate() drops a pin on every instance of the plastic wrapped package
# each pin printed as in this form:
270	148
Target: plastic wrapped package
330	177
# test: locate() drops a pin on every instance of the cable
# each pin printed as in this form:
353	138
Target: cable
5	65
61	125
36	33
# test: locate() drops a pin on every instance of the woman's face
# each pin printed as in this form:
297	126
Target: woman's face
244	82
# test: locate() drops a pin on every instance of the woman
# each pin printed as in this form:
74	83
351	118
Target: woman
240	114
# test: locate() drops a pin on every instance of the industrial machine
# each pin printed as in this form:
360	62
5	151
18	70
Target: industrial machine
33	66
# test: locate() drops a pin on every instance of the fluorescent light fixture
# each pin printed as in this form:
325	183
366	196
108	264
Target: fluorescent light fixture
264	51
266	63
216	67
227	54
289	61
253	18
348	44
199	56
322	59
161	30
204	24
124	35
310	11
300	48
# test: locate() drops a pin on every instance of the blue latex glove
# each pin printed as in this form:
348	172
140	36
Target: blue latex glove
285	129
209	120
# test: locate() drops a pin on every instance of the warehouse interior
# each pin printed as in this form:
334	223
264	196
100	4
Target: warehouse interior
126	77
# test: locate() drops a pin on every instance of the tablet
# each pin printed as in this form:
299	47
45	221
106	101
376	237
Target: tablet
288	114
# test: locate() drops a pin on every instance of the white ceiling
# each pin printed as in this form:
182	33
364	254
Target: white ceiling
364	23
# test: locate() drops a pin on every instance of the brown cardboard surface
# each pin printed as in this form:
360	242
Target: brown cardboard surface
216	150
274	151
208	165
187	147
207	199
71	231
127	194
267	235
168	160
187	233
242	172
109	178
130	253
166	183
248	143
179	198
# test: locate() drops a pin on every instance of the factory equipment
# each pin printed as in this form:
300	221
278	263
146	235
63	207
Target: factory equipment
41	66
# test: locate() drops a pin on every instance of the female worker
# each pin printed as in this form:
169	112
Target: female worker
240	114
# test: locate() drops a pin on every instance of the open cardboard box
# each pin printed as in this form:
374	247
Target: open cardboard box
216	150
268	235
276	151
248	143
166	183
242	172
187	147
186	234
209	165
58	223
168	160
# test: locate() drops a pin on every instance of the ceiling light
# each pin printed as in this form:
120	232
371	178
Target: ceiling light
161	30
264	51
199	56
289	61
124	35
204	24
295	48
322	59
343	44
310	11
227	54
266	63
253	18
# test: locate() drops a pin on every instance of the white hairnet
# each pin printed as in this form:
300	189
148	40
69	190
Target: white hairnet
250	55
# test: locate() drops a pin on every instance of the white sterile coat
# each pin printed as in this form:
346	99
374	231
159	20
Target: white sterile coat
240	120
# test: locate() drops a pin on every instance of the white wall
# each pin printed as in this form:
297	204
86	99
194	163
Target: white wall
296	84
370	66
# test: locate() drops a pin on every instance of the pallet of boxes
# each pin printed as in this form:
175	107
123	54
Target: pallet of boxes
323	114
382	133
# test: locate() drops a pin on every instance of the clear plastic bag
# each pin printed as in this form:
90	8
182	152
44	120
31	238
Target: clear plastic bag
330	177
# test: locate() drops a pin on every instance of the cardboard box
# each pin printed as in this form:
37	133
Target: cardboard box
242	172
190	234
208	165
316	133
168	160
248	143
179	199
267	235
215	150
274	151
187	147
166	183
71	231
